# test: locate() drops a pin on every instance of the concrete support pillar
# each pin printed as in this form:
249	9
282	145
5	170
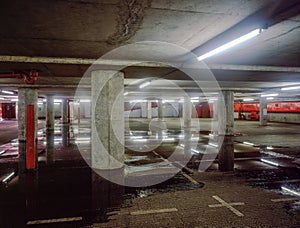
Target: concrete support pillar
160	109
50	129
27	138
107	120
187	119
263	113
149	109
225	131
215	110
64	111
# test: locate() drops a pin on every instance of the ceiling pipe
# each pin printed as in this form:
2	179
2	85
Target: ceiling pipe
29	78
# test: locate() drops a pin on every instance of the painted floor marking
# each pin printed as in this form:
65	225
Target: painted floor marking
145	212
228	205
184	174
46	221
189	178
283	199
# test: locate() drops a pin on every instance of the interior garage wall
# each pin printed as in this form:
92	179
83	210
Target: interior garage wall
284	117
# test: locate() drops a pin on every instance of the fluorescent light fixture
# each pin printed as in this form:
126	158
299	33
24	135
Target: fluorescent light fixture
137	101
270	95
248	99
231	44
2	152
269	162
293	192
143	85
8	177
126	93
270	98
57	100
136	137
248	143
270	148
291	88
85	100
140	140
14	100
7	92
169	139
1	98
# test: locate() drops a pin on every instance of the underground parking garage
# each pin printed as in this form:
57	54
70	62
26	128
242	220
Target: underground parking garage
149	113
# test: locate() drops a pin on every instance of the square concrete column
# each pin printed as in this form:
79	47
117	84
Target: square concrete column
64	111
107	119
27	98
160	109
225	131
187	120
263	113
149	109
50	129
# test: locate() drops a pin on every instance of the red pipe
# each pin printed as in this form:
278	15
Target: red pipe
28	78
30	138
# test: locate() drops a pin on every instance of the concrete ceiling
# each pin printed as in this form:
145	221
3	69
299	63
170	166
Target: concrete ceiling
79	30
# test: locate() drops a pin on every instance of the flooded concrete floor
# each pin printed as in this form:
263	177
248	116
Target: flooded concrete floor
253	195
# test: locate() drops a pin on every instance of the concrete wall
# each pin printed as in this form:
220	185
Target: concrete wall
284	117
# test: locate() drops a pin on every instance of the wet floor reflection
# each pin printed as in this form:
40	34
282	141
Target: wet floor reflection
50	146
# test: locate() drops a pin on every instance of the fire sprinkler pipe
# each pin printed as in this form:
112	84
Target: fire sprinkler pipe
29	78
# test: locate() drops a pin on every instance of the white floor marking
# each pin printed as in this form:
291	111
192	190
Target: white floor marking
189	178
184	174
228	205
46	221
283	199
144	212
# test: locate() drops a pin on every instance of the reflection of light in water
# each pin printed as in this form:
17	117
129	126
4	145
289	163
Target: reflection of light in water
269	162
248	143
291	191
8	177
15	144
213	144
196	151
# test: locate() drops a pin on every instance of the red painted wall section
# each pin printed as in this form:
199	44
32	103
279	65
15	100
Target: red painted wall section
279	107
30	138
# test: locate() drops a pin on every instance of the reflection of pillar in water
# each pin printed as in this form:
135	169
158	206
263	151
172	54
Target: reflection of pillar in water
65	134
28	184
50	146
106	194
50	129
